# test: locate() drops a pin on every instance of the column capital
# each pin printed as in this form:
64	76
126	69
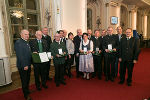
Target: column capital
132	8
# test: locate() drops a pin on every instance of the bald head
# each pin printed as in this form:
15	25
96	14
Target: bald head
24	34
38	35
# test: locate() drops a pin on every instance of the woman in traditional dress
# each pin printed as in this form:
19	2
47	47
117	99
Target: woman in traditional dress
86	58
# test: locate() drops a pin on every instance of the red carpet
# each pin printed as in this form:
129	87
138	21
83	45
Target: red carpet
94	89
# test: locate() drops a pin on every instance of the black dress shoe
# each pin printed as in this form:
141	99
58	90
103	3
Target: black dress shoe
28	98
49	79
121	82
44	86
57	84
106	79
129	84
39	89
112	79
62	82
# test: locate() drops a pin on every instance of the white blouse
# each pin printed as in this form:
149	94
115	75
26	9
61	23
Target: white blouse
86	43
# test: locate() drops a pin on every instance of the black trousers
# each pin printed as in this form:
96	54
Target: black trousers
25	79
77	64
129	66
110	65
40	72
48	65
59	73
97	65
70	62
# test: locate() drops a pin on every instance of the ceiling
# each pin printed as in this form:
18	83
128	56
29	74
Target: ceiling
140	3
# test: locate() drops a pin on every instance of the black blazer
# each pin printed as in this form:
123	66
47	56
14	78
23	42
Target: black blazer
97	43
77	41
129	49
34	45
23	53
117	36
49	41
110	40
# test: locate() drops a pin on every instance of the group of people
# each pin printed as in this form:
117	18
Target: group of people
94	54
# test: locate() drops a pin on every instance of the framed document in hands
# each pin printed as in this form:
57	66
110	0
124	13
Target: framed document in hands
40	57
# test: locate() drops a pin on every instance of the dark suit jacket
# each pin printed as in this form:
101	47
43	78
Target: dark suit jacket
49	41
77	41
97	43
129	49
23	53
34	45
117	36
110	40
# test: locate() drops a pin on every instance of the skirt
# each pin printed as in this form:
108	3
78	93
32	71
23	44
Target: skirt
86	63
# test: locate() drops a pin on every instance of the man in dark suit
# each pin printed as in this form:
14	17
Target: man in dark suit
59	51
63	39
39	45
101	38
23	54
110	45
77	40
119	35
97	49
128	56
46	37
90	36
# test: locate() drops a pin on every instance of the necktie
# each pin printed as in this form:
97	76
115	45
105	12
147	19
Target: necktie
40	46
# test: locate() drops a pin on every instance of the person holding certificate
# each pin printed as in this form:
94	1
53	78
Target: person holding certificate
59	53
86	59
110	45
38	46
46	37
97	55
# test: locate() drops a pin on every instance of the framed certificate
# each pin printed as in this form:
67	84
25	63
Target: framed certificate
114	20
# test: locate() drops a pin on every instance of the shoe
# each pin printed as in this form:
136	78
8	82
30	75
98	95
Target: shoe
129	84
28	98
49	79
84	76
112	79
44	86
62	82
88	77
121	82
93	76
57	84
106	79
39	89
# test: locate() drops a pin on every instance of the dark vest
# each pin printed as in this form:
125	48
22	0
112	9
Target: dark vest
87	46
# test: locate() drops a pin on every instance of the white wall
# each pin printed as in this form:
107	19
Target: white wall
74	15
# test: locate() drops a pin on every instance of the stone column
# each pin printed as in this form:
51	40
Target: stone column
145	23
5	73
132	16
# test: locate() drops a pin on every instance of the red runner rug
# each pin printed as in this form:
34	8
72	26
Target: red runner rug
94	89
